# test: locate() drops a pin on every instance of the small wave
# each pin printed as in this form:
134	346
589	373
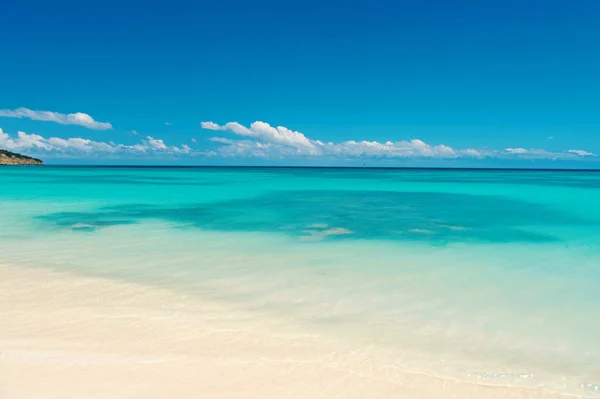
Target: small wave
320	234
421	231
337	231
504	376
83	226
318	226
591	387
455	228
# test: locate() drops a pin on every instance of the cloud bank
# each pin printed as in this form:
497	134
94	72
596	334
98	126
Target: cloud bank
261	140
77	146
78	118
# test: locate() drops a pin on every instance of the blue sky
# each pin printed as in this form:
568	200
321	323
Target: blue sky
394	83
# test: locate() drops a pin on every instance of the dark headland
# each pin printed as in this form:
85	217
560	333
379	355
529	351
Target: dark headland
12	158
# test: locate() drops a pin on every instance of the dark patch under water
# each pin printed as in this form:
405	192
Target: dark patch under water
423	216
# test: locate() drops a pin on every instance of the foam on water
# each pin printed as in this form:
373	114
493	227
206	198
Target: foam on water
478	275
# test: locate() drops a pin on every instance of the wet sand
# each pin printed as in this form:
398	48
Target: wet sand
68	336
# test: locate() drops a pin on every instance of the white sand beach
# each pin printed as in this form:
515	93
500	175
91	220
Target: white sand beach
68	336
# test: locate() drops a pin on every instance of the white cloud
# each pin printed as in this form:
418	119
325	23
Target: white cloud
23	141
223	140
582	153
194	140
155	144
279	135
412	148
210	126
517	151
77	118
472	152
134	132
77	146
538	153
168	123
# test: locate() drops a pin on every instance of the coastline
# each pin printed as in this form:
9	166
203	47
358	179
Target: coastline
65	335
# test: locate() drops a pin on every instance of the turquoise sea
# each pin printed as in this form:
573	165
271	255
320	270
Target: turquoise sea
481	275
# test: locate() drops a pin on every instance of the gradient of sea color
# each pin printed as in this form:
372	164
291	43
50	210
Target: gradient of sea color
490	276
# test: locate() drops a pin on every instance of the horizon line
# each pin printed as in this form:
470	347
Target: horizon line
321	167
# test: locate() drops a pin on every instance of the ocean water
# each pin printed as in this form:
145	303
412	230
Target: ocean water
478	275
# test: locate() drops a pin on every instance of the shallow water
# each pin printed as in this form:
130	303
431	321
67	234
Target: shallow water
490	276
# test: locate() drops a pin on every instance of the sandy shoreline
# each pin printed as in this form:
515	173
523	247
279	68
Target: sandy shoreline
67	336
